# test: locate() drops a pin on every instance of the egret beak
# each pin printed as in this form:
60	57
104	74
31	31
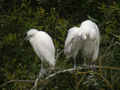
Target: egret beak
25	37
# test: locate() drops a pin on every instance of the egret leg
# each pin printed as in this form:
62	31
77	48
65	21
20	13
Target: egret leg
85	62
42	71
75	66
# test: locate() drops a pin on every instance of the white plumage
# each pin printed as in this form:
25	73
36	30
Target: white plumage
43	46
92	39
85	38
72	45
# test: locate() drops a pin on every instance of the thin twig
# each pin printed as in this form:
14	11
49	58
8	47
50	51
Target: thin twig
59	53
11	81
106	81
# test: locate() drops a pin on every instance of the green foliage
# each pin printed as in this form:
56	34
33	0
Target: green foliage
18	60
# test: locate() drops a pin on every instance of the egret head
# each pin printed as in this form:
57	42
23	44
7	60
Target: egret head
31	33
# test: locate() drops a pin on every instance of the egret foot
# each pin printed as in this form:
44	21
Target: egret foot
92	66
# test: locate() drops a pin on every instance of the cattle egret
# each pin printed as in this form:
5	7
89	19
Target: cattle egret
72	44
43	46
85	38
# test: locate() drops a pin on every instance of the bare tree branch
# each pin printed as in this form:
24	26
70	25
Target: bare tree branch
59	72
79	68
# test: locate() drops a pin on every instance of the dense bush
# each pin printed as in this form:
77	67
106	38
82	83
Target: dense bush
19	62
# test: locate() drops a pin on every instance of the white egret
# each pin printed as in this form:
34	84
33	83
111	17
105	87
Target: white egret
86	38
43	46
72	45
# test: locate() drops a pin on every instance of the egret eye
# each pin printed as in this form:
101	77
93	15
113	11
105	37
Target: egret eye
31	35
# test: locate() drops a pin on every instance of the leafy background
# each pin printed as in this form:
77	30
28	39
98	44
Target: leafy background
19	62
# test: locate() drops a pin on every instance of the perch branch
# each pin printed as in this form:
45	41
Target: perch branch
59	72
79	68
